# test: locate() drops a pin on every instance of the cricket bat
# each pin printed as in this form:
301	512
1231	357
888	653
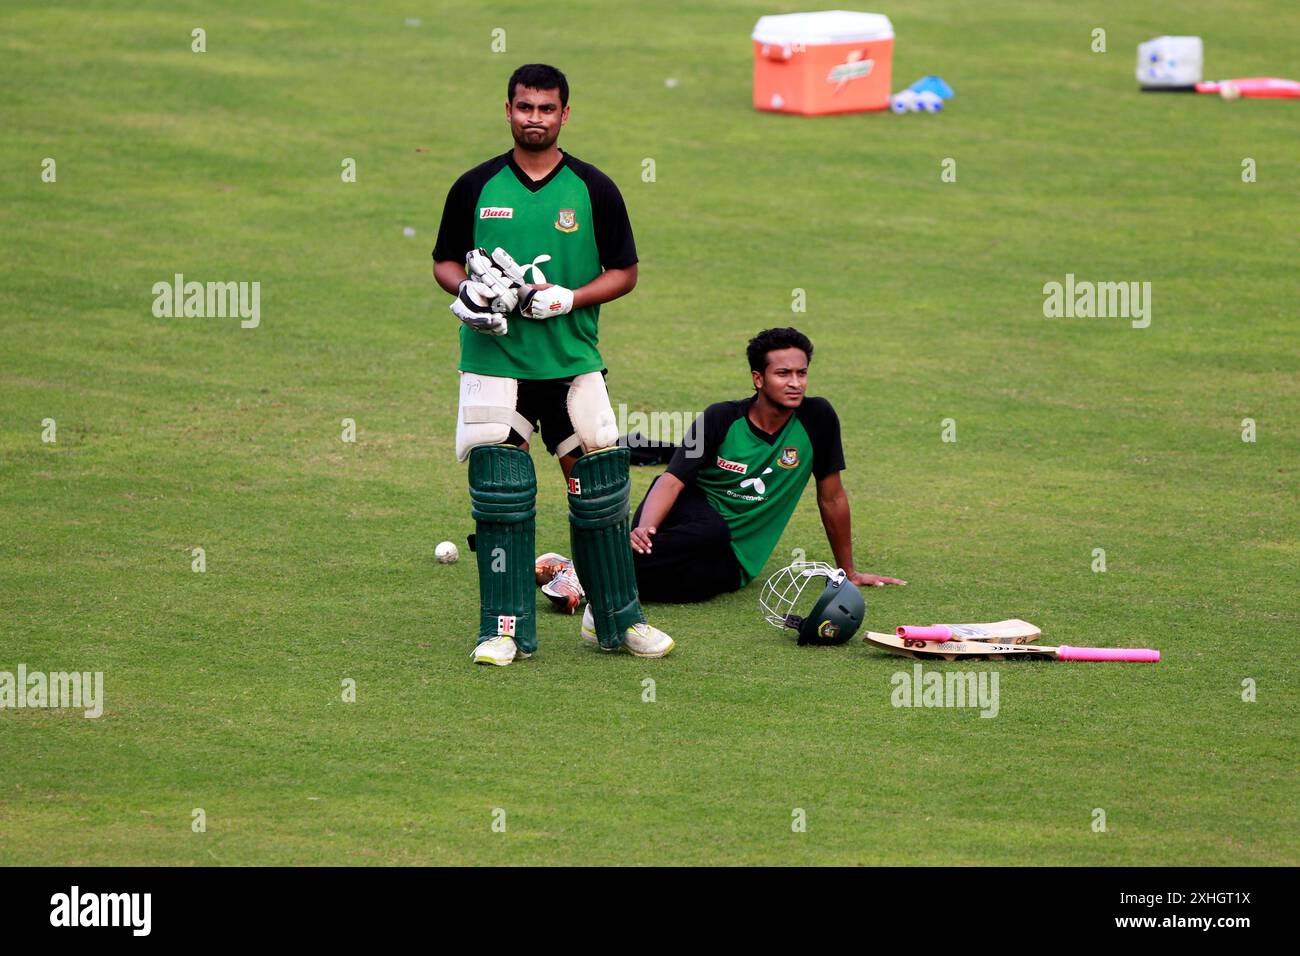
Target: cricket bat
959	650
1263	87
1013	631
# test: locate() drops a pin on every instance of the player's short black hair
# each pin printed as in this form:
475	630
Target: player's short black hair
538	76
770	340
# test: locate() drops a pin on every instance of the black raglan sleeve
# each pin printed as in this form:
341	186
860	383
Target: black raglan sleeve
614	241
456	231
823	427
702	440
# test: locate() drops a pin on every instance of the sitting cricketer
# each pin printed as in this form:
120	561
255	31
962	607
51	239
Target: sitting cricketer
528	358
709	523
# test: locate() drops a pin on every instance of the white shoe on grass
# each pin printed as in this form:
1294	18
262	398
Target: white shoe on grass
500	650
639	640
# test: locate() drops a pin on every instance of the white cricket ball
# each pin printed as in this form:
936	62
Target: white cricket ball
446	553
1229	91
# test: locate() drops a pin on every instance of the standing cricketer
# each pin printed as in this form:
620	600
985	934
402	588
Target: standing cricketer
561	246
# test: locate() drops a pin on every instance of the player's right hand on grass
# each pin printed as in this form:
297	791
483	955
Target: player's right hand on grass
641	539
473	306
863	580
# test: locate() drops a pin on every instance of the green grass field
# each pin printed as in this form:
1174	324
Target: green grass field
924	299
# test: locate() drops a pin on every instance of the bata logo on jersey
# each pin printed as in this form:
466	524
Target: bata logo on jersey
853	68
737	466
496	212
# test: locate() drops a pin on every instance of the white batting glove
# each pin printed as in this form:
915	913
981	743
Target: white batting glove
544	303
473	306
500	273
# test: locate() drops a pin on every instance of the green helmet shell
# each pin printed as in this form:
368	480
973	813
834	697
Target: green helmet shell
835	616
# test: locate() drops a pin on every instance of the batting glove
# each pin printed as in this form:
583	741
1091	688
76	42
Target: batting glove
473	306
544	303
500	273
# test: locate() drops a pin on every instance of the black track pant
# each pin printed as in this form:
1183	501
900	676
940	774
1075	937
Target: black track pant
691	557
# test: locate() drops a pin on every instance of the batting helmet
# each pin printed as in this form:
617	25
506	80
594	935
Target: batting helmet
833	617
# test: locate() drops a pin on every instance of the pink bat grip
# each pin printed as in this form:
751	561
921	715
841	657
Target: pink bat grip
1139	654
935	632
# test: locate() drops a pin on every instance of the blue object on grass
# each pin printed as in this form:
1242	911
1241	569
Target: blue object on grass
932	84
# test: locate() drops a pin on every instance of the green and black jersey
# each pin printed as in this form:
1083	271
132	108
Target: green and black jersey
753	479
564	230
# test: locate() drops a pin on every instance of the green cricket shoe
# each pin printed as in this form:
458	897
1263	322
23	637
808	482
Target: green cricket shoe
639	640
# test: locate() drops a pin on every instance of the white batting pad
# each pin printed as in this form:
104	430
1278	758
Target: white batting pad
593	420
487	412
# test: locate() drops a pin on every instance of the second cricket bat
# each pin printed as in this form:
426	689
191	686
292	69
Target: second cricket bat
958	650
1012	631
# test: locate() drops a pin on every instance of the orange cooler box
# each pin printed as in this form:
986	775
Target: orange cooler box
835	61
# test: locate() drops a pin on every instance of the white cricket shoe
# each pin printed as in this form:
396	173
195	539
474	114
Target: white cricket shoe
500	650
639	640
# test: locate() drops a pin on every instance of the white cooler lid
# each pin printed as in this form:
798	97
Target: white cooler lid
827	26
